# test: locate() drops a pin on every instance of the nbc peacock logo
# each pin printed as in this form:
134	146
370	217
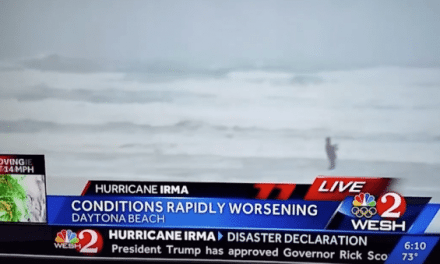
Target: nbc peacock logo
364	205
66	239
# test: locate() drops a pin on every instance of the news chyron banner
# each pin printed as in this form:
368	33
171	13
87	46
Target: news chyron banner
332	220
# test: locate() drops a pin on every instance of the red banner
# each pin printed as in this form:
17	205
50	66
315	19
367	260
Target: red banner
337	188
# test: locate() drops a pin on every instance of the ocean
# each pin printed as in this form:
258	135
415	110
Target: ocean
237	126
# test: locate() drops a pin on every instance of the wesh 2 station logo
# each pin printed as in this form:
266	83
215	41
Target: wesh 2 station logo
369	214
389	207
87	241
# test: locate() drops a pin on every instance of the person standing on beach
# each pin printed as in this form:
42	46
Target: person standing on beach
331	153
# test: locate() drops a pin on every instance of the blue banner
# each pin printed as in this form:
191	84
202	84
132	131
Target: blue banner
166	212
412	249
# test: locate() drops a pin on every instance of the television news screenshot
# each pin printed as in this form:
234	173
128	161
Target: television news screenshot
220	131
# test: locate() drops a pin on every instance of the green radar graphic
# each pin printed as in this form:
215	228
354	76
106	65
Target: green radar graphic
12	200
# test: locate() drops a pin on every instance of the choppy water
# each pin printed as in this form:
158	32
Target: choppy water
238	126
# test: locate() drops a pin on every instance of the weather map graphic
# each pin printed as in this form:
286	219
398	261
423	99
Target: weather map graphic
12	200
364	205
22	198
66	236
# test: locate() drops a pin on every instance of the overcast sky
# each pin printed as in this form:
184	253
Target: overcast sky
308	34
